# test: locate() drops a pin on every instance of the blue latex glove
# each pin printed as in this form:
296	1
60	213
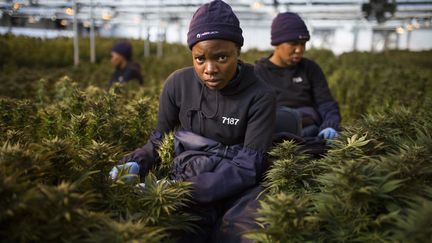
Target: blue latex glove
131	167
328	133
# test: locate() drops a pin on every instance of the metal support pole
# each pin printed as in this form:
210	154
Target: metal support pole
159	50
372	49
408	40
356	34
10	17
76	37
311	32
147	44
386	40
92	35
180	32
397	41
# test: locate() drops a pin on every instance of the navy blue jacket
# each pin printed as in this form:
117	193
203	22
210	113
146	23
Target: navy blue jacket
211	166
304	88
132	71
242	113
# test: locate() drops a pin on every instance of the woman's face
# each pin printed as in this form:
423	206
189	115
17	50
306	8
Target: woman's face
117	60
215	62
289	53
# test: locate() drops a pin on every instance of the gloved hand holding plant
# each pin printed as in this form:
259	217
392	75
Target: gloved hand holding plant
328	133
130	169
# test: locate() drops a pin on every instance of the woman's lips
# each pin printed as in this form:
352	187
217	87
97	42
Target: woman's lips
212	82
296	59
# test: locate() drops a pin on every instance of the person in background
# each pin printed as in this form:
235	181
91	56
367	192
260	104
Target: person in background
300	84
125	68
224	118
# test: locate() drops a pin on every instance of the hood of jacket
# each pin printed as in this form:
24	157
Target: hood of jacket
265	62
245	77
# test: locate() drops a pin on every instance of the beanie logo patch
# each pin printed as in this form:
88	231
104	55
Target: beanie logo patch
301	37
200	35
297	79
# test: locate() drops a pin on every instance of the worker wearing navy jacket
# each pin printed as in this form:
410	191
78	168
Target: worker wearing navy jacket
126	69
225	118
300	83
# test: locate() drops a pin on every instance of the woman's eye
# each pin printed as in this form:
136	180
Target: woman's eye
222	58
199	59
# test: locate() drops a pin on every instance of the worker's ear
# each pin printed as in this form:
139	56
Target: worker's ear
238	50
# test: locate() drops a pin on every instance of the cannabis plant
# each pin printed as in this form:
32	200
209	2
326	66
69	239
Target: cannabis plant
286	218
292	169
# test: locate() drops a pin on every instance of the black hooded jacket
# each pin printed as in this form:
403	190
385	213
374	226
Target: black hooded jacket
302	87
242	113
132	71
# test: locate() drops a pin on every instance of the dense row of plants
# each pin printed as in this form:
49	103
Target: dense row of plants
60	136
374	185
55	155
361	82
53	59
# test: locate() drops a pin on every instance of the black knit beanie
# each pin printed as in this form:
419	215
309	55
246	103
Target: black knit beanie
287	27
123	48
214	20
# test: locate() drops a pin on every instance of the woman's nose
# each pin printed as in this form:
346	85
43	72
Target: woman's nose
210	68
299	48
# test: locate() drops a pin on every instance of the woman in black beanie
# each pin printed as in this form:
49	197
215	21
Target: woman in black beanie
125	68
225	117
300	83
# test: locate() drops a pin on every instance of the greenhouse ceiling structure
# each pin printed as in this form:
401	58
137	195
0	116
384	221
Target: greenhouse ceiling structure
381	22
